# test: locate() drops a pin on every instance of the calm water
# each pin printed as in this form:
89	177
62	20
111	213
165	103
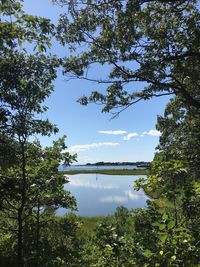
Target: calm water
93	167
102	194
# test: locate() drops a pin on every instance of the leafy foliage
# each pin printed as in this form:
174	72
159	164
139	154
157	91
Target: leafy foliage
147	52
30	184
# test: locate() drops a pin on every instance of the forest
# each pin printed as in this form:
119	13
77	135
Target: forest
152	49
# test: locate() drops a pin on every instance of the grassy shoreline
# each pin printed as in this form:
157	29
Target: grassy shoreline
110	172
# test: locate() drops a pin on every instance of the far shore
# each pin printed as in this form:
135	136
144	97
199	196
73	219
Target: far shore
110	172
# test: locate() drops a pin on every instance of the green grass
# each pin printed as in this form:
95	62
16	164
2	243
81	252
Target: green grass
110	172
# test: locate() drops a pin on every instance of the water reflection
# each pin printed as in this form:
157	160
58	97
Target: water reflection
123	198
103	195
116	199
80	182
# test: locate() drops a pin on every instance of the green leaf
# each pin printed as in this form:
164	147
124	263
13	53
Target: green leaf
165	217
162	226
147	253
173	257
171	224
162	237
180	229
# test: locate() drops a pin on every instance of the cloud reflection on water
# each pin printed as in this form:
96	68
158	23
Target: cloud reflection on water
90	184
134	195
128	195
102	194
111	199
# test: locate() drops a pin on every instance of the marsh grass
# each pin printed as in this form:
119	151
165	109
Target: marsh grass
110	172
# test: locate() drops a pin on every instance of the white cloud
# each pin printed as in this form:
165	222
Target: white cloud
111	199
130	136
118	132
78	148
152	133
134	195
89	184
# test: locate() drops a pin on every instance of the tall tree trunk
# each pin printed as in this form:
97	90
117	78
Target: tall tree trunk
38	235
20	239
20	253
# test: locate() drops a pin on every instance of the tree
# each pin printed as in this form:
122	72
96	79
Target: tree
27	74
44	189
150	49
22	35
26	82
61	242
174	185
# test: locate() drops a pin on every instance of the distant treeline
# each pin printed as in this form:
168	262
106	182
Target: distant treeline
102	163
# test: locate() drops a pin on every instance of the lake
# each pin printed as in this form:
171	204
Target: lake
95	167
102	194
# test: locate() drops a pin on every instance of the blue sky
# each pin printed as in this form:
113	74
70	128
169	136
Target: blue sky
90	133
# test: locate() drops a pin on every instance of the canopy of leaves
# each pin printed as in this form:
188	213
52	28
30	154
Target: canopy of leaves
151	46
26	75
